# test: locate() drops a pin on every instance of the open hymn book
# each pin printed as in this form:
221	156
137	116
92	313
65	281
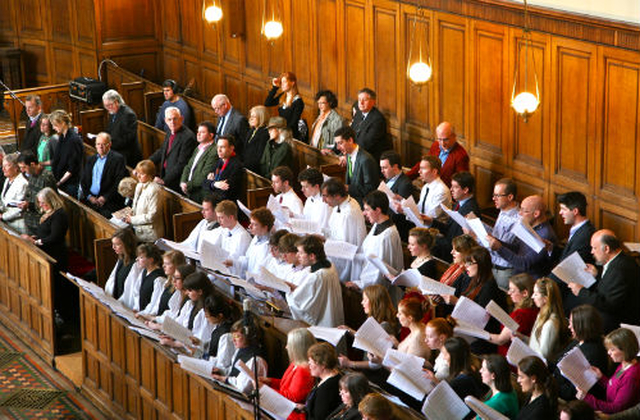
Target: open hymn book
443	403
573	269
176	330
372	338
275	404
518	350
409	378
498	313
576	368
468	311
483	410
330	335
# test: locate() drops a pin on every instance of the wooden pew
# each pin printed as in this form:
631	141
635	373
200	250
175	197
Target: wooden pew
26	293
305	155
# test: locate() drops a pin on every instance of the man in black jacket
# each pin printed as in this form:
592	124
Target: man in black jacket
370	125
400	185
226	180
123	127
230	122
362	171
32	133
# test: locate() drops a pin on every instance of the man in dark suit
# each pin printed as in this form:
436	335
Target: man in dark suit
463	187
362	171
123	127
32	133
101	176
400	185
616	293
174	154
226	180
370	126
230	122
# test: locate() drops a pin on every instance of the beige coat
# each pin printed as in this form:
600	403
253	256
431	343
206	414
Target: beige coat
147	212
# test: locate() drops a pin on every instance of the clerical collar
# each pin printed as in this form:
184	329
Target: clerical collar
320	265
381	227
262	238
212	225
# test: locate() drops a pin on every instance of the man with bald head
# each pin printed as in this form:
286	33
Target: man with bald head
616	293
524	259
230	122
453	156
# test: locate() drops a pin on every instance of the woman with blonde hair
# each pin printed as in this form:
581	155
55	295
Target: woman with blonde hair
67	161
146	211
48	142
256	139
290	104
165	296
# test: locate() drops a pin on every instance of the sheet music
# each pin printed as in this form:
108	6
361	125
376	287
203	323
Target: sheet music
372	338
304	226
330	335
478	228
498	313
411	211
176	331
483	410
408	377
468	311
194	365
244	208
526	234
248	287
443	403
470	330
267	278
146	333
409	278
572	269
635	329
212	256
518	350
576	368
275	404
632	246
390	195
340	249
382	266
395	358
122	213
118	222
457	217
188	251
279	212
429	286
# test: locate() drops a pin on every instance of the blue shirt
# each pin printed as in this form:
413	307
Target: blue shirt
444	154
98	168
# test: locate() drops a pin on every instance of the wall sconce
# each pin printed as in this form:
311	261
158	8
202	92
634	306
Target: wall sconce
420	71
525	103
211	12
272	27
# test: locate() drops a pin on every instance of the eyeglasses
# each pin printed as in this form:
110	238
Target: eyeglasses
470	263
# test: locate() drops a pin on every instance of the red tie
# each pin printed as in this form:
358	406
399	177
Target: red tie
280	199
171	139
33	123
457	207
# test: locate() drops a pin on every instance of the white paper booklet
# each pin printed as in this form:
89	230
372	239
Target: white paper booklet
304	226
633	246
430	286
518	350
411	212
330	335
275	404
146	333
248	287
483	410
635	329
176	330
372	338
443	403
280	213
498	313
395	358
212	256
470	330
576	368
244	208
408	278
572	269
408	377
382	266
470	312
457	217
340	249
186	250
267	278
526	234
390	195
195	365
479	230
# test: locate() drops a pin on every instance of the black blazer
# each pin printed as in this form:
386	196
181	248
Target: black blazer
31	136
183	145
68	157
404	188
365	177
291	114
450	229
581	242
52	233
371	134
253	147
237	126
114	171
124	135
323	399
233	173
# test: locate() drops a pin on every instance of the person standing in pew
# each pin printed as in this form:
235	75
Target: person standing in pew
226	179
277	152
315	208
174	154
101	176
400	185
233	238
257	138
38	179
203	160
171	92
281	182
230	121
33	108
67	162
363	173
146	211
13	191
123	127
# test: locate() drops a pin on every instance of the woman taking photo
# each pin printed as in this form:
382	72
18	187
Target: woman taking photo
256	139
353	388
496	373
123	243
535	380
328	121
146	211
290	104
67	161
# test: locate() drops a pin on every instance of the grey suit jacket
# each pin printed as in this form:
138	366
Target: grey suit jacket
238	126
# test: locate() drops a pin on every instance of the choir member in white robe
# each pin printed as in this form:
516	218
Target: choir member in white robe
315	209
260	224
233	238
126	269
346	222
178	299
281	182
149	259
382	241
292	270
205	228
318	299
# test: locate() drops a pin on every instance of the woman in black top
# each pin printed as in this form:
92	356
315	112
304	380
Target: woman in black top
353	388
150	260
325	396
67	160
462	377
534	378
421	241
290	103
123	243
256	139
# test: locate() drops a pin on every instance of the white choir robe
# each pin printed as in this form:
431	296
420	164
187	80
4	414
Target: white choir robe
202	328
131	294
291	201
243	382
111	281
318	300
235	241
255	257
293	274
317	210
226	349
276	266
194	240
346	224
173	312
185	312
154	304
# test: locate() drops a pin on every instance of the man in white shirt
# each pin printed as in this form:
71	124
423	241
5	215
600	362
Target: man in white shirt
260	224
206	228
281	180
233	238
315	208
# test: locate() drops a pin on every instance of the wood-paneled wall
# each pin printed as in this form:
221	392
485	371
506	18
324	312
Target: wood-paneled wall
585	136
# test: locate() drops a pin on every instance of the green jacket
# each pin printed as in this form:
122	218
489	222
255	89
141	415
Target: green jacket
205	165
274	155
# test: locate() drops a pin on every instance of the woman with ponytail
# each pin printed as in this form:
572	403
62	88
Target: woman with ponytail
535	379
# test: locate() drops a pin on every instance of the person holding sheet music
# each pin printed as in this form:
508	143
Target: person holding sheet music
123	243
281	182
535	379
461	245
315	208
533	212
399	184
176	304
296	382
164	292
463	378
421	241
524	313
616	293
291	269
206	228
437	331
325	396
66	163
219	348
137	294
623	388
260	224
495	373
233	238
274	262
146	210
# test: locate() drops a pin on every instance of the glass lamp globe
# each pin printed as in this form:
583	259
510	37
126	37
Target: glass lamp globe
420	72
525	103
213	14
273	29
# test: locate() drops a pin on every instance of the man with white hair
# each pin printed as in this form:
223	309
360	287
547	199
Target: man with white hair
123	127
174	154
230	121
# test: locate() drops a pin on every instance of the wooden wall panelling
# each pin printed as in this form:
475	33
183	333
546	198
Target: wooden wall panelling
618	175
36	63
191	27
63	63
32	19
211	82
572	119
173	64
624	222
85	23
327	68
486	174
125	21
60	28
87	62
386	57
303	45
211	34
254	43
8	23
355	46
171	23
